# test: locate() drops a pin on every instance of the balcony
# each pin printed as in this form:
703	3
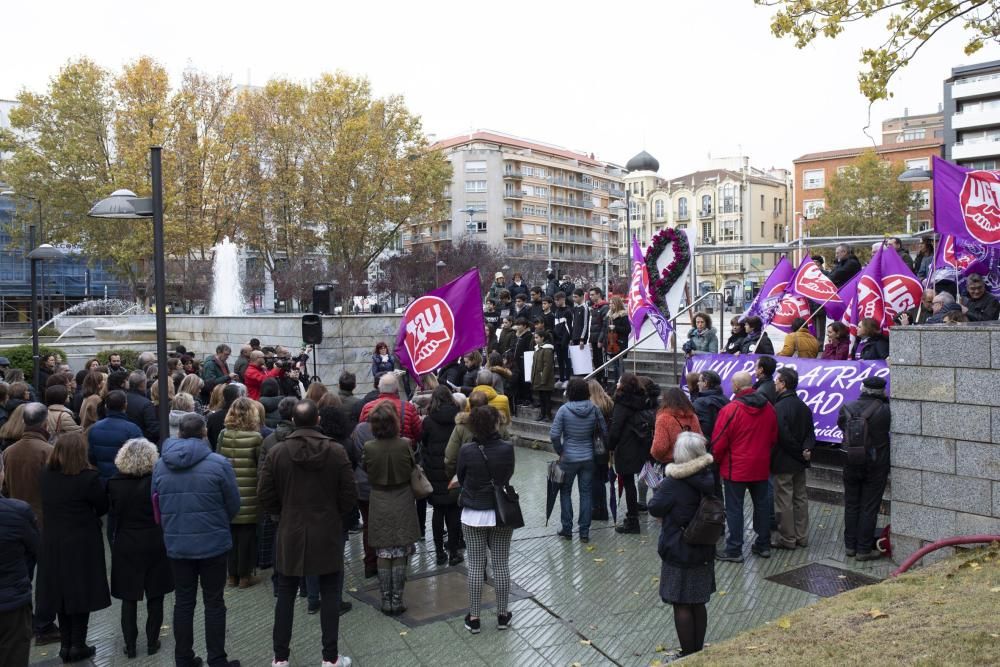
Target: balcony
705	213
682	215
511	214
444	234
513	234
967	150
976	118
510	194
512	174
975	86
615	192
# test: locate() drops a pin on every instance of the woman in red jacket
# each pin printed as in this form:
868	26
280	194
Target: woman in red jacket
675	416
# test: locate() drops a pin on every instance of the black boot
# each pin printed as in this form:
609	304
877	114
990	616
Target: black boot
79	650
629	526
440	556
455	558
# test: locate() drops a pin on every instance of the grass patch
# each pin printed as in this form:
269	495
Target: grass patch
944	614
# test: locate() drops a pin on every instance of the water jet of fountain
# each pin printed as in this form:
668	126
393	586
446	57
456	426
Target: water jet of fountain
227	285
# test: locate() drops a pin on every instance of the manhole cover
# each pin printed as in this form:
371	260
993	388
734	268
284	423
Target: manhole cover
438	595
822	580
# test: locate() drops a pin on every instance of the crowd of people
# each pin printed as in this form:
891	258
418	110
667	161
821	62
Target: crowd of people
266	468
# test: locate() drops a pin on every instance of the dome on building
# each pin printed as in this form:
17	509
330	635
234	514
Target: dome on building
643	162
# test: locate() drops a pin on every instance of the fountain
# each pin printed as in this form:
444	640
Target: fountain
103	321
227	283
95	307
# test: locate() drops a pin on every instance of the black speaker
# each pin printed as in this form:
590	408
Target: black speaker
321	298
312	329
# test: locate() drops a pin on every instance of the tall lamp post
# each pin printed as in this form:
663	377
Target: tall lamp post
40	254
437	268
124	204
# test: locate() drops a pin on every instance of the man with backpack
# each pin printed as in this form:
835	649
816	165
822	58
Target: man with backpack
789	460
744	432
865	423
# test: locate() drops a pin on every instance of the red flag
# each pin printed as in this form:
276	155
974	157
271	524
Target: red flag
810	281
885	288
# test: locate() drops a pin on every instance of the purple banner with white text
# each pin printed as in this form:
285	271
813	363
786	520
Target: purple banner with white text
824	384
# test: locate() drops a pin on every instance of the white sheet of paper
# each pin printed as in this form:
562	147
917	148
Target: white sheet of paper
583	363
529	358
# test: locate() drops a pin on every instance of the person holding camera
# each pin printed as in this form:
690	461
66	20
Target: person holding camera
256	374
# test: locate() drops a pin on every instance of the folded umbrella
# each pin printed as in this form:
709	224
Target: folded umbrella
612	498
553	487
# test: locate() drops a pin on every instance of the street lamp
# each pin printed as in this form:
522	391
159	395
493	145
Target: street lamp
470	226
915	175
437	268
42	253
123	204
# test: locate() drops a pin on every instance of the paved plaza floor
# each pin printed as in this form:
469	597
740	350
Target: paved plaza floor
593	604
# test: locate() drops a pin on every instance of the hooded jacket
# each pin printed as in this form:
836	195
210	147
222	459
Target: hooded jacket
197	496
307	480
796	432
598	327
496	400
543	368
744	432
242	449
409	428
460	435
630	452
572	431
707	407
872	347
175	421
61	421
676	501
438	426
19	542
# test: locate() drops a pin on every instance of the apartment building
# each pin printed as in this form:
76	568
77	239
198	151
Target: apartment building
533	200
814	171
972	116
920	127
728	204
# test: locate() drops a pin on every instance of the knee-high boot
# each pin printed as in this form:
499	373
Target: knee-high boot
385	584
398	584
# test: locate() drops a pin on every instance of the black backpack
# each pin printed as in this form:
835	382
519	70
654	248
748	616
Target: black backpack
708	523
857	441
643	425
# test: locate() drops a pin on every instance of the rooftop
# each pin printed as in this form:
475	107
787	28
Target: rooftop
502	140
880	149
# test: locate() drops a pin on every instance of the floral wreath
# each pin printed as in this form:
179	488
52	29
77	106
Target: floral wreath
668	277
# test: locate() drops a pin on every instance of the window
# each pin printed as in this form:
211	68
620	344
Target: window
979	105
812	208
706	231
707	263
922	200
988	165
729	203
477	206
475	166
979	136
729	230
682	208
475	186
912	134
813	179
480	225
843	169
918	163
706	204
762	202
658	209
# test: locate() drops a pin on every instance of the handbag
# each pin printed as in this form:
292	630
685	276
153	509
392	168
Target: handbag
419	483
600	439
506	501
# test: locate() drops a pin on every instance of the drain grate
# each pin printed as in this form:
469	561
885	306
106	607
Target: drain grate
822	580
437	596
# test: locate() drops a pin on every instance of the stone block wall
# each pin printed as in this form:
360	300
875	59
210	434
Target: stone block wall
348	341
946	434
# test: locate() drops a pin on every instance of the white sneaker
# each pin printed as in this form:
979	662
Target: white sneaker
279	663
342	661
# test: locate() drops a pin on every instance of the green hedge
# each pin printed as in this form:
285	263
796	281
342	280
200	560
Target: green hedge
130	358
20	357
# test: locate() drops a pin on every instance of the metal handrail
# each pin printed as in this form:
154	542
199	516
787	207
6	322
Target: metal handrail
651	333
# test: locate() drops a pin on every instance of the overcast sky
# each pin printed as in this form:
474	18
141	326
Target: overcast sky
681	79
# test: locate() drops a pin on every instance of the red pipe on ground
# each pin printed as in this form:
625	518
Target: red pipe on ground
934	546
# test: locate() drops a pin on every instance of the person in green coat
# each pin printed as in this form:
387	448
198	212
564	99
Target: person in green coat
240	442
543	373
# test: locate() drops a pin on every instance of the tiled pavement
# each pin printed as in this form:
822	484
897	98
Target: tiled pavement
592	604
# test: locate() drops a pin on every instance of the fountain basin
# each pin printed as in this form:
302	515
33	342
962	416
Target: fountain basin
138	331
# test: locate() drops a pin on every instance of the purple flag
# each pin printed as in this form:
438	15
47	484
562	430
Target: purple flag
810	282
442	325
956	258
772	292
966	202
640	305
882	290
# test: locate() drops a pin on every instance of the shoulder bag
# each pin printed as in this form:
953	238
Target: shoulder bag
600	438
506	500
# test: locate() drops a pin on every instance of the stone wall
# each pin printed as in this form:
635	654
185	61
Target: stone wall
347	341
946	434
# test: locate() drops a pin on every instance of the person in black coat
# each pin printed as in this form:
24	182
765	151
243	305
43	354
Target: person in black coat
438	425
864	484
764	378
18	552
687	572
524	343
482	464
789	460
870	344
216	421
846	266
140	410
756	341
139	565
709	401
630	452
71	572
738	334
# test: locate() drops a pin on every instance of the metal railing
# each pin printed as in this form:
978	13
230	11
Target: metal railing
634	345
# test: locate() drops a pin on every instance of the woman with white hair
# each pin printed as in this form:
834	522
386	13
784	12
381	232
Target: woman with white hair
139	565
687	574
